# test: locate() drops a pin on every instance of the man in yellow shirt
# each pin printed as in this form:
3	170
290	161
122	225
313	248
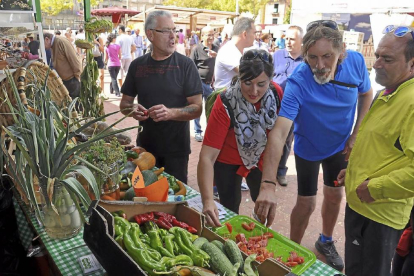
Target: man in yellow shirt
379	179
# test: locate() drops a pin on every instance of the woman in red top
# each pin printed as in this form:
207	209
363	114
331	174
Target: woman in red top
230	153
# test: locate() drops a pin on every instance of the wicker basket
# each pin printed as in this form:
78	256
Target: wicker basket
32	72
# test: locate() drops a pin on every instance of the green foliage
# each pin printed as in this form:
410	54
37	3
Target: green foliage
253	6
54	7
286	19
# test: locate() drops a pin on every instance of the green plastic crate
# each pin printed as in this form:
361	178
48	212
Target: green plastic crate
279	245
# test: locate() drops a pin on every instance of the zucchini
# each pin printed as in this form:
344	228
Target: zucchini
234	254
199	242
219	262
219	244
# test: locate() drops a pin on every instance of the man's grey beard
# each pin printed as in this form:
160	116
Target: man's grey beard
321	80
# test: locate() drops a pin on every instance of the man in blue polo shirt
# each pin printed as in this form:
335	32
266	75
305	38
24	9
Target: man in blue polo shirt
321	98
284	62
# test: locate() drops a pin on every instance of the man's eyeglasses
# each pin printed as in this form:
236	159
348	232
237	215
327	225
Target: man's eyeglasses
398	31
253	54
327	23
165	31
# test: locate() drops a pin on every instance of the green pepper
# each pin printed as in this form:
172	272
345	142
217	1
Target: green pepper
144	238
182	247
150	226
186	240
154	254
179	260
172	182
200	258
119	213
134	234
120	240
169	243
119	231
163	233
177	250
130	154
125	225
155	240
140	256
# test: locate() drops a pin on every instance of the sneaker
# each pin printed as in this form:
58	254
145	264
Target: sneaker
198	137
244	186
329	251
282	180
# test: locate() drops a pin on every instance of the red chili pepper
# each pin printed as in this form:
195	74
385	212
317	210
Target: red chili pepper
166	216
246	226
229	227
181	224
252	225
192	230
291	264
161	222
143	218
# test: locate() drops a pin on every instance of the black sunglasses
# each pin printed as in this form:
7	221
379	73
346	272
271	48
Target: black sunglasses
327	23
253	54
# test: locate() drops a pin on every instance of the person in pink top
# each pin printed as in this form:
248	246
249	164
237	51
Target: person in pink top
113	61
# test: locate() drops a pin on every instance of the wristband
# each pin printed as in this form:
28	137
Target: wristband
270	182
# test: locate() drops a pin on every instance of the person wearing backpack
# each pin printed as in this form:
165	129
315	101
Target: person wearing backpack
236	136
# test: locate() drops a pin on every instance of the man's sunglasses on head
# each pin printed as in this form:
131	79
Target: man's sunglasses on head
327	23
398	31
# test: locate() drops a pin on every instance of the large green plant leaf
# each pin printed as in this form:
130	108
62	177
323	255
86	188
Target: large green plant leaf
87	174
72	184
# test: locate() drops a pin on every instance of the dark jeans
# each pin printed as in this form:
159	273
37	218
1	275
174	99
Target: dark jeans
176	166
228	184
369	246
113	72
282	169
73	86
207	90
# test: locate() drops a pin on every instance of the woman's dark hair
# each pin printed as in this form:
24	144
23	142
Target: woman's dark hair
109	39
253	63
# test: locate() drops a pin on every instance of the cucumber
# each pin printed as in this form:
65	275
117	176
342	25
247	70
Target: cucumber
219	244
219	262
234	254
199	242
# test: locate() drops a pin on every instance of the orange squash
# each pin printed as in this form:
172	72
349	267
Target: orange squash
138	150
145	161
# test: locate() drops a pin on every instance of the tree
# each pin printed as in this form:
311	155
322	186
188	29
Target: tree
252	6
54	7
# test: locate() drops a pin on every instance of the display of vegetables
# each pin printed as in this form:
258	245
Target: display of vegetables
162	245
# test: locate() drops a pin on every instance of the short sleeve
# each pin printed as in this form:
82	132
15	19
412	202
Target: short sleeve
365	83
128	88
218	126
291	101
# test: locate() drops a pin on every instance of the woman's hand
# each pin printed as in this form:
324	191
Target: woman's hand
211	212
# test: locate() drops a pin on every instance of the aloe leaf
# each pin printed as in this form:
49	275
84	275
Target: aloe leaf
78	207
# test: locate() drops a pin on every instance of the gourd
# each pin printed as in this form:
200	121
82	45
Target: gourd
149	177
145	161
219	244
234	254
219	262
199	242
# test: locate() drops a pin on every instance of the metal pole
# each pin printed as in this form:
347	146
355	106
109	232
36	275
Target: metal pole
87	10
237	7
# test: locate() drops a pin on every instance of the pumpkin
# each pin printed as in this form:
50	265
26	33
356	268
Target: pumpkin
138	150
145	161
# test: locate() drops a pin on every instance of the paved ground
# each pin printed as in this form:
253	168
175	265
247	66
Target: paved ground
286	195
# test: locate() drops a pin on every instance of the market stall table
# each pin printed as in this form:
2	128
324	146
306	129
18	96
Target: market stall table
65	254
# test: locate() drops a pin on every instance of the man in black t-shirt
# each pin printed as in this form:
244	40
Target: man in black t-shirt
33	45
169	93
204	57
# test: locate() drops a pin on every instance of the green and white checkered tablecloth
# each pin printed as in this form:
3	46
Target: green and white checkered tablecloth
66	253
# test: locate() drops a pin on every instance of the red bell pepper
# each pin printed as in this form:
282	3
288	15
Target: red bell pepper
229	227
162	223
166	216
143	218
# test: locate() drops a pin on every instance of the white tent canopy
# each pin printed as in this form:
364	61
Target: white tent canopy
184	15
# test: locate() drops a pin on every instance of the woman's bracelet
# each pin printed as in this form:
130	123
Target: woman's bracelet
270	182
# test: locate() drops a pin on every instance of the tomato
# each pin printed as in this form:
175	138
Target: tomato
145	113
252	225
229	227
268	235
241	238
291	264
246	226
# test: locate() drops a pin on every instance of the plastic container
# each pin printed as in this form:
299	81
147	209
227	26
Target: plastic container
279	245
